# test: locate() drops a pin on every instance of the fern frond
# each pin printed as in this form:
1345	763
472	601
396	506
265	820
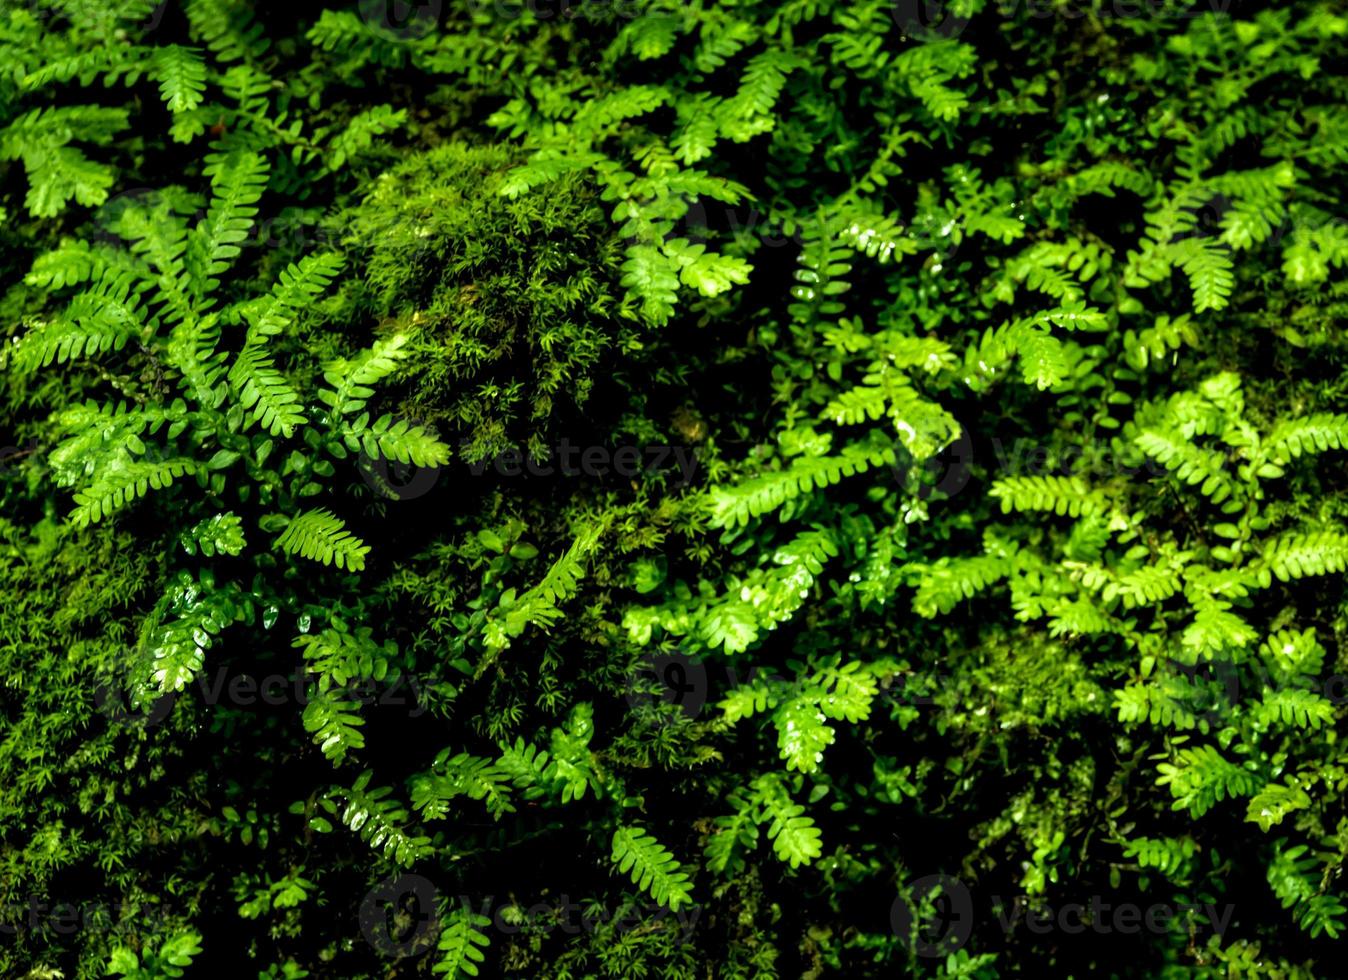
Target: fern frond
1292	653
1164	702
192	350
222	534
264	392
57	172
77	261
1080	617
648	37
735	836
794	836
1162	338
176	648
338	655
86	66
844	693
1297	555
461	774
737	505
1170	856
350	379
652	278
122	482
91	430
238	178
1200	778
96	321
461	943
1274	802
321	536
181	74
747	700
708	272
949	581
335	725
361	132
1145	586
1294	706
539	605
1217	631
1192	464
1209	268
1294	438
1294	881
400	441
380	821
526	766
1063	495
226	27
802	734
296	288
652	868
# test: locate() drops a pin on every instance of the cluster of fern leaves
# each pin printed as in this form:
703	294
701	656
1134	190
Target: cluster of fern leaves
1004	342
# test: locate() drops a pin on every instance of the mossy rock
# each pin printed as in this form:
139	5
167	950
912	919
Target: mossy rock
512	305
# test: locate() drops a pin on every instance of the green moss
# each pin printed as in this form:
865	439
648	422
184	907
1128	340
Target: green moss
509	303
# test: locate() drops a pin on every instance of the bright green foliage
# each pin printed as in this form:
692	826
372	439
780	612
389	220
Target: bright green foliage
1002	534
457	949
653	869
795	839
222	533
176	952
377	817
1290	877
318	535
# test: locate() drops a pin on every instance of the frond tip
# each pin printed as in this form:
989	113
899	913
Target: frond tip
121	483
460	936
652	867
321	536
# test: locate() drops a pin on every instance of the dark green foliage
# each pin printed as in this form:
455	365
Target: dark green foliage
1001	346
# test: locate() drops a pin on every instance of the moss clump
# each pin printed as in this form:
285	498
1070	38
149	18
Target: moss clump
510	304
